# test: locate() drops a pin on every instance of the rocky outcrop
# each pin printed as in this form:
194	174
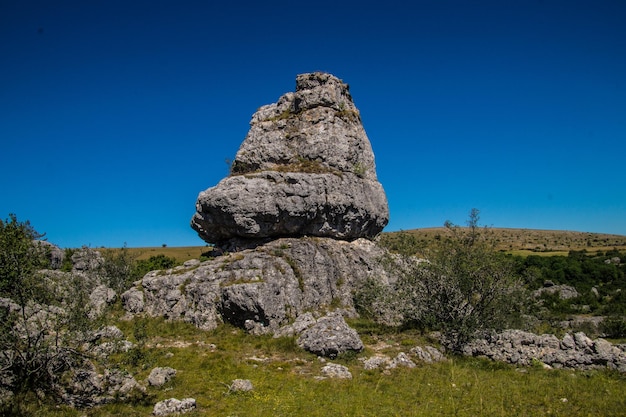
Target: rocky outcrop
306	168
261	289
575	351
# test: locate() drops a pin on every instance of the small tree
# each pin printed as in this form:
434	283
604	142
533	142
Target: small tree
466	285
41	316
463	286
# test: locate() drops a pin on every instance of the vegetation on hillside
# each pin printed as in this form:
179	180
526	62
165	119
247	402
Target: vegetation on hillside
598	274
464	286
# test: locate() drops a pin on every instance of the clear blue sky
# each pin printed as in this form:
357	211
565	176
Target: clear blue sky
114	115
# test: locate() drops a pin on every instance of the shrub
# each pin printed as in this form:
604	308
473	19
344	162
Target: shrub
41	316
465	286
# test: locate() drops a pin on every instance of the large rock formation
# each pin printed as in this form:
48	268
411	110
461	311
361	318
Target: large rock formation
306	168
262	289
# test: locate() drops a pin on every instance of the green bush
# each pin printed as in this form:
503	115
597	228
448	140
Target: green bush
464	286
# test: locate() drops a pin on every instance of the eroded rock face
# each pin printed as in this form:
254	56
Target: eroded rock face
306	168
261	289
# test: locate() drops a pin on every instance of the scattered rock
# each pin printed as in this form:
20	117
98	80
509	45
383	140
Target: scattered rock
241	385
573	351
428	354
333	370
402	360
376	362
565	292
172	405
161	376
330	336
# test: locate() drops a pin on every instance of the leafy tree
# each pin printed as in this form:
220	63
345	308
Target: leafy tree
20	258
41	316
143	266
463	287
467	285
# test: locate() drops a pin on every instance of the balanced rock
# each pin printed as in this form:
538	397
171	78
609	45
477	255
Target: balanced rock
306	167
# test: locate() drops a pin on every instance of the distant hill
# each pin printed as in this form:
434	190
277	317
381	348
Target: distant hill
517	241
525	241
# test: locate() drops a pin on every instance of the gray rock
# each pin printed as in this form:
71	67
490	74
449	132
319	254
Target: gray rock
330	336
241	385
427	354
99	299
565	292
333	370
174	406
161	376
402	359
376	361
265	288
87	259
132	300
302	323
55	254
306	167
87	388
523	348
107	332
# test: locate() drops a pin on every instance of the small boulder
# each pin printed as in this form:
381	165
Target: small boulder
241	385
330	336
161	376
333	370
172	405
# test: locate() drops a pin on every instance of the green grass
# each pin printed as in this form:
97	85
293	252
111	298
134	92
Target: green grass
285	385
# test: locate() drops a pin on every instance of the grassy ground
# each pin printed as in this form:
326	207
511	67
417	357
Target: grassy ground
285	383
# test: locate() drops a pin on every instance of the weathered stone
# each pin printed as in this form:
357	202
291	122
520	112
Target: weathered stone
241	385
330	336
87	259
333	370
172	406
376	361
262	289
402	359
99	299
306	167
161	376
427	354
132	300
55	254
565	292
523	348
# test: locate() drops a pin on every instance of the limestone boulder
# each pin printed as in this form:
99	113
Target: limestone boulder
306	168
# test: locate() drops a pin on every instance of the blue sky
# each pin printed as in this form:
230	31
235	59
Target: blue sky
114	115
